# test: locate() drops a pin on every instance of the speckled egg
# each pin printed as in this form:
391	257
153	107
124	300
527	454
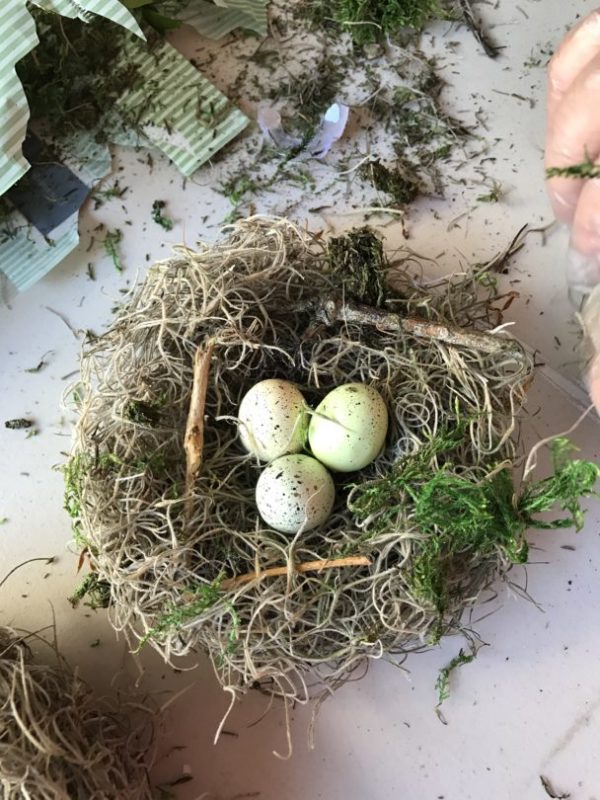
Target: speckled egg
348	429
273	419
295	492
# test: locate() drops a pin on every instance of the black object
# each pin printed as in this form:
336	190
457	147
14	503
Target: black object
49	193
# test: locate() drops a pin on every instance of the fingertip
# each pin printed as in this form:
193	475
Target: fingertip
578	48
593	382
585	235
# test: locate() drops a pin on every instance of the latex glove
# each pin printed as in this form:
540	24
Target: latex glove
573	137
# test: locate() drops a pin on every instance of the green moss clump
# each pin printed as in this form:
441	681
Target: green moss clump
400	182
359	266
94	589
202	597
75	75
370	20
473	515
142	413
78	469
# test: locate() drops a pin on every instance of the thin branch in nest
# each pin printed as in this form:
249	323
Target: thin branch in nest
331	311
308	566
193	442
489	47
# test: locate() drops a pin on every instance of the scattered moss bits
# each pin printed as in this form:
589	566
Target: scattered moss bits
359	266
400	182
158	216
94	589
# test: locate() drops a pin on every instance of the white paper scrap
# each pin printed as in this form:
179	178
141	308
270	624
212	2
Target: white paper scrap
269	121
330	130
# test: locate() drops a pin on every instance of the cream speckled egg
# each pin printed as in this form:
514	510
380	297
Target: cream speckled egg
273	420
294	492
348	429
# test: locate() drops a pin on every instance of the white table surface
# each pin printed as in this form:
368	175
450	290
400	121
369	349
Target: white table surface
530	703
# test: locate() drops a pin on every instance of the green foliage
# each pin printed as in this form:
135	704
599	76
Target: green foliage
202	597
80	466
158	216
359	266
74	75
111	246
400	182
142	413
442	684
586	169
370	20
572	480
96	590
237	186
465	515
493	196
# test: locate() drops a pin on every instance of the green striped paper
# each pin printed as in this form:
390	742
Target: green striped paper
18	36
216	21
84	9
177	109
255	10
27	256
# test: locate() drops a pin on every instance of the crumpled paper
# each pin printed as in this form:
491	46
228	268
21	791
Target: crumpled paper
330	129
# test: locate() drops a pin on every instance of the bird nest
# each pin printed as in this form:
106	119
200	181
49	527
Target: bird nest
163	493
58	741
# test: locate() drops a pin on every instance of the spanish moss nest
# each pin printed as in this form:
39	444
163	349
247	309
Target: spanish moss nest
176	545
57	741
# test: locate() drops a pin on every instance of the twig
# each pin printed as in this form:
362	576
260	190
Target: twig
331	311
308	566
587	169
62	317
499	261
193	442
47	559
489	47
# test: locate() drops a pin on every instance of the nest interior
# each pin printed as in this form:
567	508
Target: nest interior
57	740
183	566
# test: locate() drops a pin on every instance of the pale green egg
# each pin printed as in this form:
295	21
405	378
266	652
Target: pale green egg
349	427
295	492
273	420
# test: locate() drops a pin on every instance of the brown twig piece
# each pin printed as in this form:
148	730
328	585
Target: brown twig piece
331	311
308	566
489	48
193	442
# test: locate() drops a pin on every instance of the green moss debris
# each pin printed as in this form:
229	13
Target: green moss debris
461	514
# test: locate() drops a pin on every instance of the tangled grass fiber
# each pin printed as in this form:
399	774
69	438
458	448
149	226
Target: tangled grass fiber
414	539
58	741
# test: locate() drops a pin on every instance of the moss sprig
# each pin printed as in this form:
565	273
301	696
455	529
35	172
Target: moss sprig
460	514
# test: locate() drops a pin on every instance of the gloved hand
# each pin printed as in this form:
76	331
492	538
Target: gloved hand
574	137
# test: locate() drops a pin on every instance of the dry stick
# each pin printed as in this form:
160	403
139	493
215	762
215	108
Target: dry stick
193	442
307	566
490	49
330	311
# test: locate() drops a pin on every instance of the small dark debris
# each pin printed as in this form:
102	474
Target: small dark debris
18	424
